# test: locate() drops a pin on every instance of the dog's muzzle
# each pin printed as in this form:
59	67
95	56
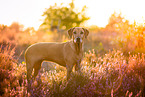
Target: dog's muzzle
78	40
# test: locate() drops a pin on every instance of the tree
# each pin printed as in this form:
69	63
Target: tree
16	27
64	17
117	23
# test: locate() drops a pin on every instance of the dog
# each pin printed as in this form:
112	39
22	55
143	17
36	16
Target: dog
66	54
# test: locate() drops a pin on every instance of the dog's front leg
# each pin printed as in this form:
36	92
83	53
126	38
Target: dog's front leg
69	70
78	66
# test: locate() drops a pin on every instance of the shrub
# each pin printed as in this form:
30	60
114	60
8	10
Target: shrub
6	67
9	82
110	75
118	72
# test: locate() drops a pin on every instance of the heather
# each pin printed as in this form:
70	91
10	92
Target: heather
110	75
113	62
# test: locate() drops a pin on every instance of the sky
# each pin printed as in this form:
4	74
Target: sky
29	12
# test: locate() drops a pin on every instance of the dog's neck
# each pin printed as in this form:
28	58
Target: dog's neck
78	47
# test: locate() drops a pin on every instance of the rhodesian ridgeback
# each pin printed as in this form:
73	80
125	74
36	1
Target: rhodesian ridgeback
66	54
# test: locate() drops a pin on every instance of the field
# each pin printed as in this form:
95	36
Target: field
113	63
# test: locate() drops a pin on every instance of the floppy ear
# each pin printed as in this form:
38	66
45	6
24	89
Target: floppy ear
86	32
70	32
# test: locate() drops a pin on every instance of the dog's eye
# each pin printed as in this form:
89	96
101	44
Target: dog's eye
74	32
81	32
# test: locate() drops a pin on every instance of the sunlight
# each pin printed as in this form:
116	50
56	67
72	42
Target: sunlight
98	11
110	63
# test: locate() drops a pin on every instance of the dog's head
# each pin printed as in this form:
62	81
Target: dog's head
78	34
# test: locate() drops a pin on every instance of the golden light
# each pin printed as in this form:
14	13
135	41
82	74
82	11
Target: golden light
29	12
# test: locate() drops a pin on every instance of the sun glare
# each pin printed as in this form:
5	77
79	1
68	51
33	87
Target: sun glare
110	63
98	11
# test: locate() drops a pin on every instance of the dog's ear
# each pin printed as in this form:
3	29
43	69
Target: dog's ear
86	32
70	32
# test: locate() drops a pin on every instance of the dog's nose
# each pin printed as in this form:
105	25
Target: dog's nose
78	39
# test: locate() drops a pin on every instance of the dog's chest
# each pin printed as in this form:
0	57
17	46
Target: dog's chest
78	56
70	52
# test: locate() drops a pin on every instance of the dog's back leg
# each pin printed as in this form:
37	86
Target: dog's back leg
29	71
29	74
37	67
